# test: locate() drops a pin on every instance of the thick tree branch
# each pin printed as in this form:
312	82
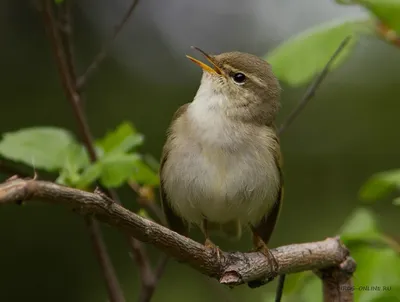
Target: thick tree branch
231	269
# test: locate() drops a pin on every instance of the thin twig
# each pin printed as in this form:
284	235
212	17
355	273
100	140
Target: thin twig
82	80
279	288
66	81
148	278
67	25
313	87
148	288
114	291
230	268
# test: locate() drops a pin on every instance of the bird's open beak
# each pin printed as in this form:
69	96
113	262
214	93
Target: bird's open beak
213	70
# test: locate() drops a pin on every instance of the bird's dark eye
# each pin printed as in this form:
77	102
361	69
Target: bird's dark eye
239	78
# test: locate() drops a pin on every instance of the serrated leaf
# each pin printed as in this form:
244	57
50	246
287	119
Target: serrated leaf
122	139
387	11
361	225
39	147
76	157
379	185
302	57
144	175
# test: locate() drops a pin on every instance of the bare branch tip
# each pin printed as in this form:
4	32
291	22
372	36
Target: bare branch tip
231	278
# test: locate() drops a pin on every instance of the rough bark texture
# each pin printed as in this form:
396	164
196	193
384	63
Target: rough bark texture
328	258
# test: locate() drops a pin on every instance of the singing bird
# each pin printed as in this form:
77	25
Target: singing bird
221	163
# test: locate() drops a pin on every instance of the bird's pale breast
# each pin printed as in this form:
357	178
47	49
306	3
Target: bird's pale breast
215	172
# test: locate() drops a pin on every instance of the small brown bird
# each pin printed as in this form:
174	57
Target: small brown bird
221	163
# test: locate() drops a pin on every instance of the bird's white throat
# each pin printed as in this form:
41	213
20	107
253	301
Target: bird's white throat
207	115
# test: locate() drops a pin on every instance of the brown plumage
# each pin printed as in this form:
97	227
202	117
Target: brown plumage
221	162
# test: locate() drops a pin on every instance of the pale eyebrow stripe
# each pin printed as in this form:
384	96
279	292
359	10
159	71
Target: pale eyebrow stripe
251	77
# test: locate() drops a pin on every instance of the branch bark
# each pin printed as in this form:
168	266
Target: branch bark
63	52
114	290
337	282
327	257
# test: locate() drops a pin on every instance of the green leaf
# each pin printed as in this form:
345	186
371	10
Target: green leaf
89	175
122	139
117	169
76	159
379	185
144	175
387	11
361	225
299	59
113	170
40	147
396	201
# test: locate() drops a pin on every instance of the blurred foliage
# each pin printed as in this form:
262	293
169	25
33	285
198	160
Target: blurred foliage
303	56
43	148
296	62
380	185
299	59
56	150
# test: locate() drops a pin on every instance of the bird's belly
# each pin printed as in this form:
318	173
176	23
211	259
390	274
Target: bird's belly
220	187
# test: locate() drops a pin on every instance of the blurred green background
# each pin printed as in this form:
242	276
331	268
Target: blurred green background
347	133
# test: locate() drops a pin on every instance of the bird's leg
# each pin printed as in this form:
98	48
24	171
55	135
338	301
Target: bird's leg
208	243
261	246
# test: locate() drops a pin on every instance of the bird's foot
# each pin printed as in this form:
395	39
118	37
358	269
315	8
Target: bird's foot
215	249
261	247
